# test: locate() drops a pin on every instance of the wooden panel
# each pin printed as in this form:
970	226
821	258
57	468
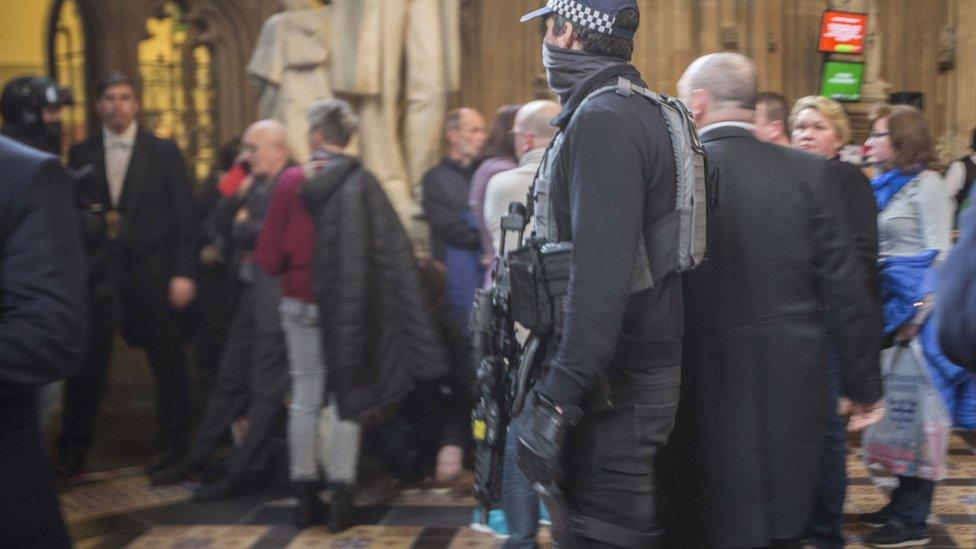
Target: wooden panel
961	113
502	59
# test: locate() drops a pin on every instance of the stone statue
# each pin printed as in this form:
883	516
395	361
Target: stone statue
372	41
290	65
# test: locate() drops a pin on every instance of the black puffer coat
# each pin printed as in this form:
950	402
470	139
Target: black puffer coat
378	335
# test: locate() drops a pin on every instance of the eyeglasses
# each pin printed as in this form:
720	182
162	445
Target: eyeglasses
877	135
250	148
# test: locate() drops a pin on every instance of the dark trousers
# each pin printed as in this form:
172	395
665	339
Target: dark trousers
84	392
783	544
29	513
519	500
252	379
911	502
827	523
609	456
826	527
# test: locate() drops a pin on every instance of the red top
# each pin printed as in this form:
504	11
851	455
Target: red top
287	237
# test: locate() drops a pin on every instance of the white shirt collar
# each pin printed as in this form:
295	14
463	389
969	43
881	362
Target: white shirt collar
128	136
732	123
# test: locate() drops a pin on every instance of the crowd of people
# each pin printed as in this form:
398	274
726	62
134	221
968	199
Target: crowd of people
707	408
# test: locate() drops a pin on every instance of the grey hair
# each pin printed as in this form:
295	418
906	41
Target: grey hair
334	119
731	79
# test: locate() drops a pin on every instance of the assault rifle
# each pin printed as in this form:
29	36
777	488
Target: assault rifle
496	356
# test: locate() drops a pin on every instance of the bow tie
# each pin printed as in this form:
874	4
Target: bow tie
118	145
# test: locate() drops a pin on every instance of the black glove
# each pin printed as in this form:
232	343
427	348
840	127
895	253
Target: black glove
542	431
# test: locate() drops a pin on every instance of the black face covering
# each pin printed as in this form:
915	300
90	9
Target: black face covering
53	132
43	137
567	68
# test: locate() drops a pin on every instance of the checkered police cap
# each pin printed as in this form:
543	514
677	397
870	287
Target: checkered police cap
596	15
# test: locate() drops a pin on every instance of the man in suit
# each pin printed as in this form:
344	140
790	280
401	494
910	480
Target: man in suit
743	461
42	333
140	185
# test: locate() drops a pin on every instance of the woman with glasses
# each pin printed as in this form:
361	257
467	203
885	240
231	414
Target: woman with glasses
914	222
820	126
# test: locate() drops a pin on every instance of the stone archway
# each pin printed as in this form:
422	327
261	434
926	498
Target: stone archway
229	28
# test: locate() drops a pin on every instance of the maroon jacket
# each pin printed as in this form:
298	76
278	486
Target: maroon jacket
285	245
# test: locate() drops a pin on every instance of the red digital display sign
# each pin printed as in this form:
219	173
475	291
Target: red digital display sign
843	32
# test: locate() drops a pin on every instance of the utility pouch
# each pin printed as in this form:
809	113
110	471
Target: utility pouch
539	276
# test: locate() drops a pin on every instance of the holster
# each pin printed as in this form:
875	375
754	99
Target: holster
539	277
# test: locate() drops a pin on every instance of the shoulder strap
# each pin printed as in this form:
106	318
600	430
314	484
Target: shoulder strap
970	166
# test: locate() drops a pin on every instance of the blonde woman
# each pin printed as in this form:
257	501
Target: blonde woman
820	126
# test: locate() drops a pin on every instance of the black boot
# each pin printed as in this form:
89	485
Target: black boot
341	508
224	488
174	474
309	508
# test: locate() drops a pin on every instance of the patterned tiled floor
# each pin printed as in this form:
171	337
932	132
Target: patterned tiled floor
216	537
116	510
117	496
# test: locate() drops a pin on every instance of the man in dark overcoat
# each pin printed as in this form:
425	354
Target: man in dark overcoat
139	184
42	333
743	462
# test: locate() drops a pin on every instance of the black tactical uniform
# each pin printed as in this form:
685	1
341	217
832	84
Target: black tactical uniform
608	180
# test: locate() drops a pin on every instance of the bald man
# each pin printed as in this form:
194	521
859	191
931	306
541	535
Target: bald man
743	463
253	374
533	133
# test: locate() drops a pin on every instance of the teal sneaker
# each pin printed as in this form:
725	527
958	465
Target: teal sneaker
544	519
496	526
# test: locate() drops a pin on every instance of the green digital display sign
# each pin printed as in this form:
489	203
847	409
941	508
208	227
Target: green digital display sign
842	80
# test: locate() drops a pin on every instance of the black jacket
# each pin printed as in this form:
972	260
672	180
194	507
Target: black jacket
862	219
446	187
377	332
613	179
42	332
743	462
158	231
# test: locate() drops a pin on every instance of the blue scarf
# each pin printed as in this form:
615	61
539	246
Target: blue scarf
888	184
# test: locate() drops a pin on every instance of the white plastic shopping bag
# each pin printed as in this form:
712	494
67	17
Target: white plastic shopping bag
913	437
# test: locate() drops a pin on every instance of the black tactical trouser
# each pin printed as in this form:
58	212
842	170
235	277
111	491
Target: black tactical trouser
609	460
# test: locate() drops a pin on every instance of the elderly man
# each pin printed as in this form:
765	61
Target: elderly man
455	243
446	186
533	133
253	374
744	459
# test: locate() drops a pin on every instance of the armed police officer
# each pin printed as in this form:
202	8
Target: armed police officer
605	401
31	107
